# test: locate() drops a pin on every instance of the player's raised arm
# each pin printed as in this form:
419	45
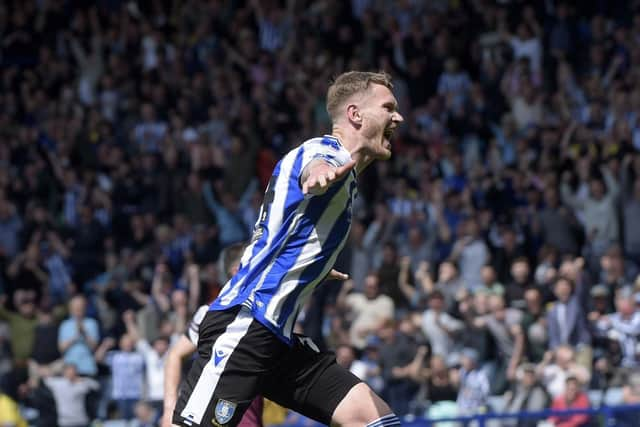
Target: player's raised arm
318	176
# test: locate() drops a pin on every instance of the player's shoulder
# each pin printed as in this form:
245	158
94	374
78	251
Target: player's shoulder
198	316
325	141
326	147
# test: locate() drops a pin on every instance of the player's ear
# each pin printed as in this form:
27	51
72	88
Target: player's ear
353	114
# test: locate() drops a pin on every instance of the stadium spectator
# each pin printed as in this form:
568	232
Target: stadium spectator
527	395
439	327
503	323
397	355
368	310
474	388
623	326
127	370
567	321
534	325
471	252
70	393
554	375
154	355
78	338
572	398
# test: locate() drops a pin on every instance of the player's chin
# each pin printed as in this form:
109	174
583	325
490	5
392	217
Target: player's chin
385	151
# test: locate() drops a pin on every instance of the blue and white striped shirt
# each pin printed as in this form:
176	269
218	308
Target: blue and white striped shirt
296	240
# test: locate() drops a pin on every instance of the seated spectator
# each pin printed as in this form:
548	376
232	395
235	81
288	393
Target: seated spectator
70	392
567	322
78	337
527	395
572	398
368	310
554	375
474	388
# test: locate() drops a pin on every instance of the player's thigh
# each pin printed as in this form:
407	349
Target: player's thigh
359	407
309	382
226	376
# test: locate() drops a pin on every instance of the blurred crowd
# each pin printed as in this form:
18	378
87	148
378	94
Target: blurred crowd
494	256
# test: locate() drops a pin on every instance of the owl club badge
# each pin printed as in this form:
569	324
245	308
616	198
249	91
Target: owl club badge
224	411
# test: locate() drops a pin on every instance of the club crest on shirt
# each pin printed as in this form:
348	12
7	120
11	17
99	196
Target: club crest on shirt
224	411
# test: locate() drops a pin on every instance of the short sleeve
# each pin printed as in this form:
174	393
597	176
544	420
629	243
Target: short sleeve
143	347
65	332
193	331
327	148
92	329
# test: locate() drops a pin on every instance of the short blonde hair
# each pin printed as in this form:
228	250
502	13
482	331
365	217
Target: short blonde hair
350	83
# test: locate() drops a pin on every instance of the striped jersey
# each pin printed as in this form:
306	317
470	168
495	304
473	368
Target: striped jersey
296	240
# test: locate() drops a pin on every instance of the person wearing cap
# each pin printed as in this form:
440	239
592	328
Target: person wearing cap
526	395
474	384
599	302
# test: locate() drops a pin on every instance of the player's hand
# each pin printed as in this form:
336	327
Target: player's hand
336	275
322	175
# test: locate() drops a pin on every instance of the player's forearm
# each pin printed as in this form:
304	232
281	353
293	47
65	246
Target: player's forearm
171	381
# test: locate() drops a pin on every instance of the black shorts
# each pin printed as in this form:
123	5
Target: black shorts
239	358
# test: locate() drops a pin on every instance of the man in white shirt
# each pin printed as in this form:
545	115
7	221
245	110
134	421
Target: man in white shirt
69	392
368	310
439	327
154	356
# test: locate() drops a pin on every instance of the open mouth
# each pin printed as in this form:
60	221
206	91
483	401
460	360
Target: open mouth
388	132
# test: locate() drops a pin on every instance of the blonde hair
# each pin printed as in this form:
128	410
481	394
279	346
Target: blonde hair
350	83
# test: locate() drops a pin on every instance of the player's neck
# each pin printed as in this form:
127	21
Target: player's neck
355	147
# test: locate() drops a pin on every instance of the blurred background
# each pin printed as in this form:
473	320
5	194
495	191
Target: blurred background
493	260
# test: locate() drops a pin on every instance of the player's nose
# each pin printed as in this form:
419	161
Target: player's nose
397	117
